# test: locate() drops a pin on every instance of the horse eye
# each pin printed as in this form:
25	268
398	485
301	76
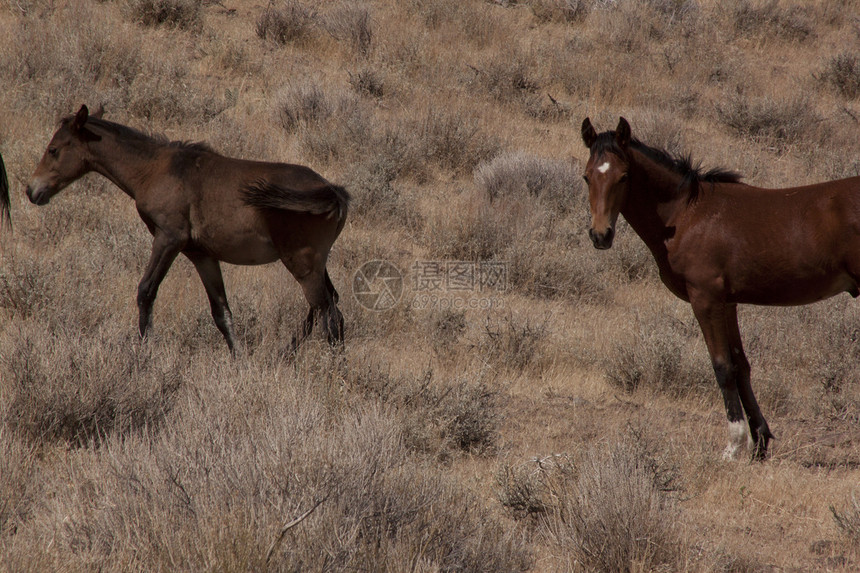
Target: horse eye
585	177
623	178
53	152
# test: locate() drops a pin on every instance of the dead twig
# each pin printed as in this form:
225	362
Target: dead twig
290	525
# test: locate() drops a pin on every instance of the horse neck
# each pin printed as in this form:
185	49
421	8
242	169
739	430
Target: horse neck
654	198
121	161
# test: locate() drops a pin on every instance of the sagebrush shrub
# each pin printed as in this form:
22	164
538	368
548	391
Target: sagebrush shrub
662	353
781	121
521	175
352	22
289	23
848	519
842	74
185	14
65	387
769	17
438	417
615	515
561	10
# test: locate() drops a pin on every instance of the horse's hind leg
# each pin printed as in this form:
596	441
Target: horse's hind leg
306	330
332	291
323	302
759	430
213	281
311	274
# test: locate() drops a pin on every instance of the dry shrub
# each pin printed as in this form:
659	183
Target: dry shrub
572	272
512	78
159	93
303	105
17	480
233	463
633	27
238	138
848	519
471	227
769	18
617	513
290	23
183	14
64	386
26	289
453	140
376	196
561	10
660	129
447	326
779	122
630	260
557	259
530	489
512	342
518	174
351	22
367	81
468	23
662	353
76	54
330	124
437	417
833	360
39	289
841	73
337	124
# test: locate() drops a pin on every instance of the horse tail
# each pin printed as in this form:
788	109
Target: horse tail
4	195
323	199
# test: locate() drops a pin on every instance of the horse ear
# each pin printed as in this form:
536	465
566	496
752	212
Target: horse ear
80	119
99	112
79	128
589	136
622	133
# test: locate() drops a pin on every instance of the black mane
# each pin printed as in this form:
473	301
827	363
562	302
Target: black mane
133	135
691	174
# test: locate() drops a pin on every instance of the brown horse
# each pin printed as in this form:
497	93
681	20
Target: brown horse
210	208
719	243
4	195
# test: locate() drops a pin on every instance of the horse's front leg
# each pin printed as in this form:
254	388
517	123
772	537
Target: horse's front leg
713	318
759	431
164	251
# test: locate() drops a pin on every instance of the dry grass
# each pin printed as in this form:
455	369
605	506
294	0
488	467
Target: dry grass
566	422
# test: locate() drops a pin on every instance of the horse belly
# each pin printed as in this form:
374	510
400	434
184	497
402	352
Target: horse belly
250	252
797	290
239	242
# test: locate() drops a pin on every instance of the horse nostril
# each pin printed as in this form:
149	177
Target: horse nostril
601	240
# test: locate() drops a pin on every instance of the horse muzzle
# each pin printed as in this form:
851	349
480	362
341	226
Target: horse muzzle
38	195
603	240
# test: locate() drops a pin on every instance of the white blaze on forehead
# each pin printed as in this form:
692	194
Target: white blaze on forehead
604	168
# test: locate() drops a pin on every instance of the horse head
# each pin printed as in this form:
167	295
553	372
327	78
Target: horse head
606	174
65	159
